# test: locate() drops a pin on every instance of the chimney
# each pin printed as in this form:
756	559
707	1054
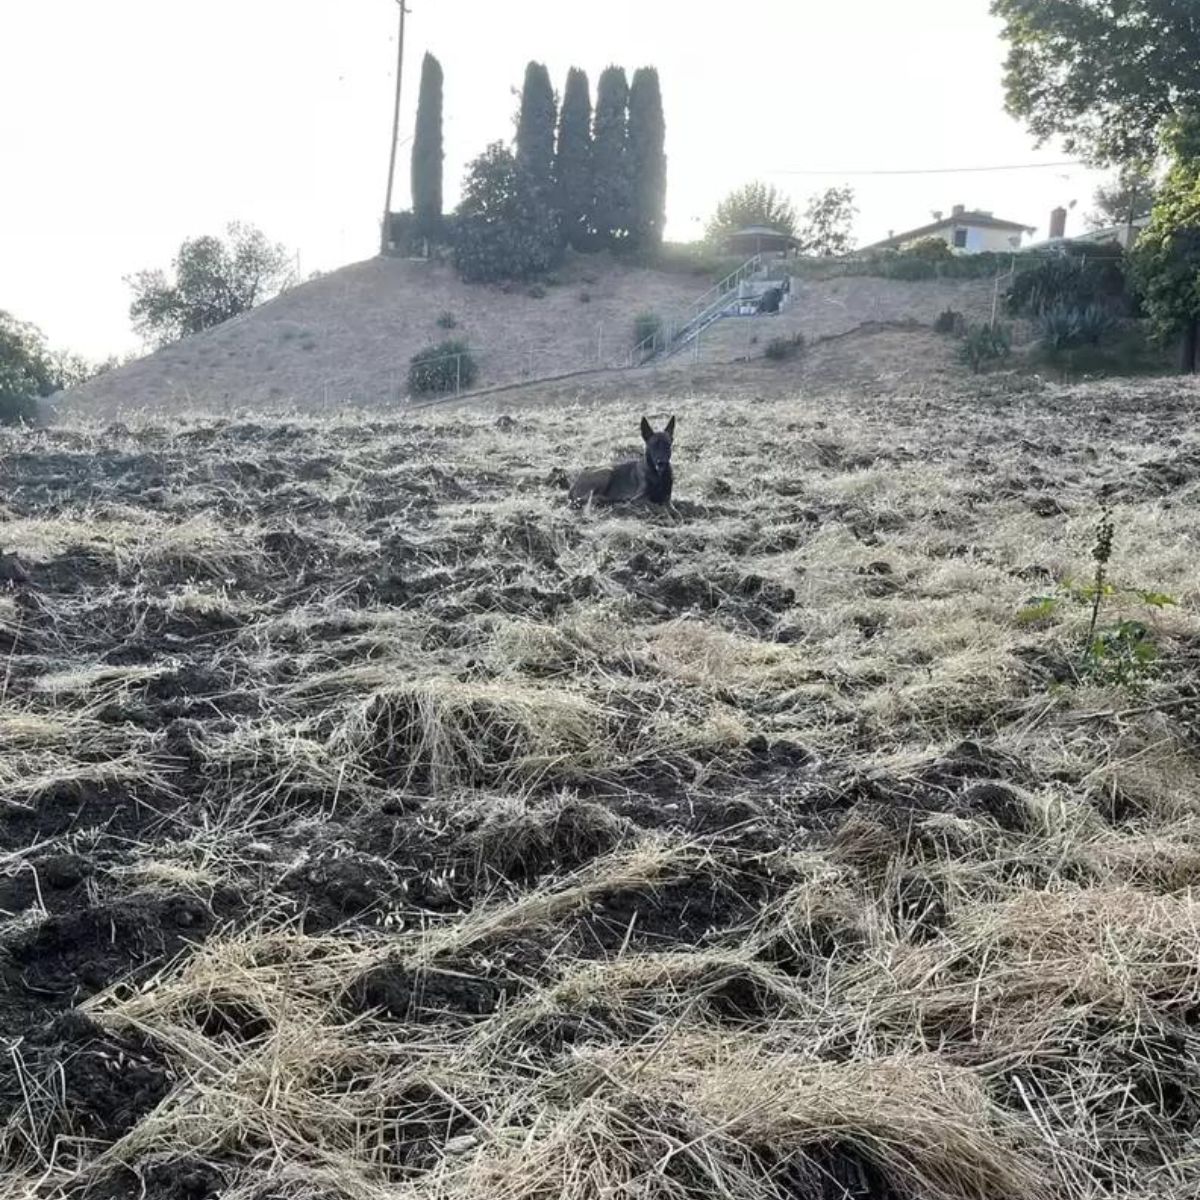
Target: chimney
957	210
1058	222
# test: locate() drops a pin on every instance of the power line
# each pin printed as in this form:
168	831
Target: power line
942	170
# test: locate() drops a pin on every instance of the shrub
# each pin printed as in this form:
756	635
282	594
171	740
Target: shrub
779	348
1062	326
447	320
17	410
536	292
1068	283
930	249
442	368
647	329
985	345
950	321
585	297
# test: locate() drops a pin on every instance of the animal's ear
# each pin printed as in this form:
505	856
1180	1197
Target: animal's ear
670	430
647	432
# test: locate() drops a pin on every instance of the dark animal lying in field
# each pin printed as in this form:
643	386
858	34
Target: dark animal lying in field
647	478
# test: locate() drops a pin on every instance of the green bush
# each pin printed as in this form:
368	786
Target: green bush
1068	283
930	249
779	348
1062	326
985	345
442	368
536	292
17	410
647	329
950	321
447	320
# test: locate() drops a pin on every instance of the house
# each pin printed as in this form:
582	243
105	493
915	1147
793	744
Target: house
1123	235
968	231
760	239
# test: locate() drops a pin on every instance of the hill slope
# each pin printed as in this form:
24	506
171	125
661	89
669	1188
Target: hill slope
348	336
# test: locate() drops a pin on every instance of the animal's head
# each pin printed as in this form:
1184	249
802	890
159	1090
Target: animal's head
658	445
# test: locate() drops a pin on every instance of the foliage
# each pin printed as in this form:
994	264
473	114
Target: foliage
612	213
30	370
928	249
1128	196
828	222
214	280
1166	259
1122	654
1105	75
950	321
427	153
447	320
573	179
780	348
1064	282
535	129
985	345
754	203
506	229
449	366
647	329
536	292
1062	325
647	159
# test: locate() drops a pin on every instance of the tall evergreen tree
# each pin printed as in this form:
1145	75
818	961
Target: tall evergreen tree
648	160
573	179
611	215
427	154
535	128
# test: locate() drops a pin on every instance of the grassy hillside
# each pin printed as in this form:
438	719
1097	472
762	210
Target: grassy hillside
348	336
372	825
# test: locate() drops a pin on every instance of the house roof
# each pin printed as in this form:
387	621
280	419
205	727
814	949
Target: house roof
977	220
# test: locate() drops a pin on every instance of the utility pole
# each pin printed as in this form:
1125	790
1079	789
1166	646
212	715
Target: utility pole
385	232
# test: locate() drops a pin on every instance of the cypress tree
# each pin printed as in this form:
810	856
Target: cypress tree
648	161
535	128
573	161
427	152
610	158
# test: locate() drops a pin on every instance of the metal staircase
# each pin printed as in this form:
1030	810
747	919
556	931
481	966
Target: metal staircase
699	315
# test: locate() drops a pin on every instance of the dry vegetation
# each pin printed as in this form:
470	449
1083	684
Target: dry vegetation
372	825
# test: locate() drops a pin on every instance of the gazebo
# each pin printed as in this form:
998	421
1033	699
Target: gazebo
760	239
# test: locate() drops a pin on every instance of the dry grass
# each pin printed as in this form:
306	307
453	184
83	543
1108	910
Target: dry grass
404	834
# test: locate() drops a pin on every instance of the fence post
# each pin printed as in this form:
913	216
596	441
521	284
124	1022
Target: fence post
457	374
600	345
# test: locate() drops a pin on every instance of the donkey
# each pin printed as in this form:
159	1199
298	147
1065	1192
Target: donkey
647	478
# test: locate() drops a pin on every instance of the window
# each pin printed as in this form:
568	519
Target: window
960	239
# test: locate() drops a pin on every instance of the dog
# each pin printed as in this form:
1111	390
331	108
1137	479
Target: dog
646	478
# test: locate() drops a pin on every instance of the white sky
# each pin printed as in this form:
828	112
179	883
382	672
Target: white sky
130	125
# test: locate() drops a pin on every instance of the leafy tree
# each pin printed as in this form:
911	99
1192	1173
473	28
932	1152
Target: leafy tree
754	203
648	160
29	370
506	228
1105	75
25	372
828	221
535	128
213	281
427	154
1128	196
1166	258
573	179
612	212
